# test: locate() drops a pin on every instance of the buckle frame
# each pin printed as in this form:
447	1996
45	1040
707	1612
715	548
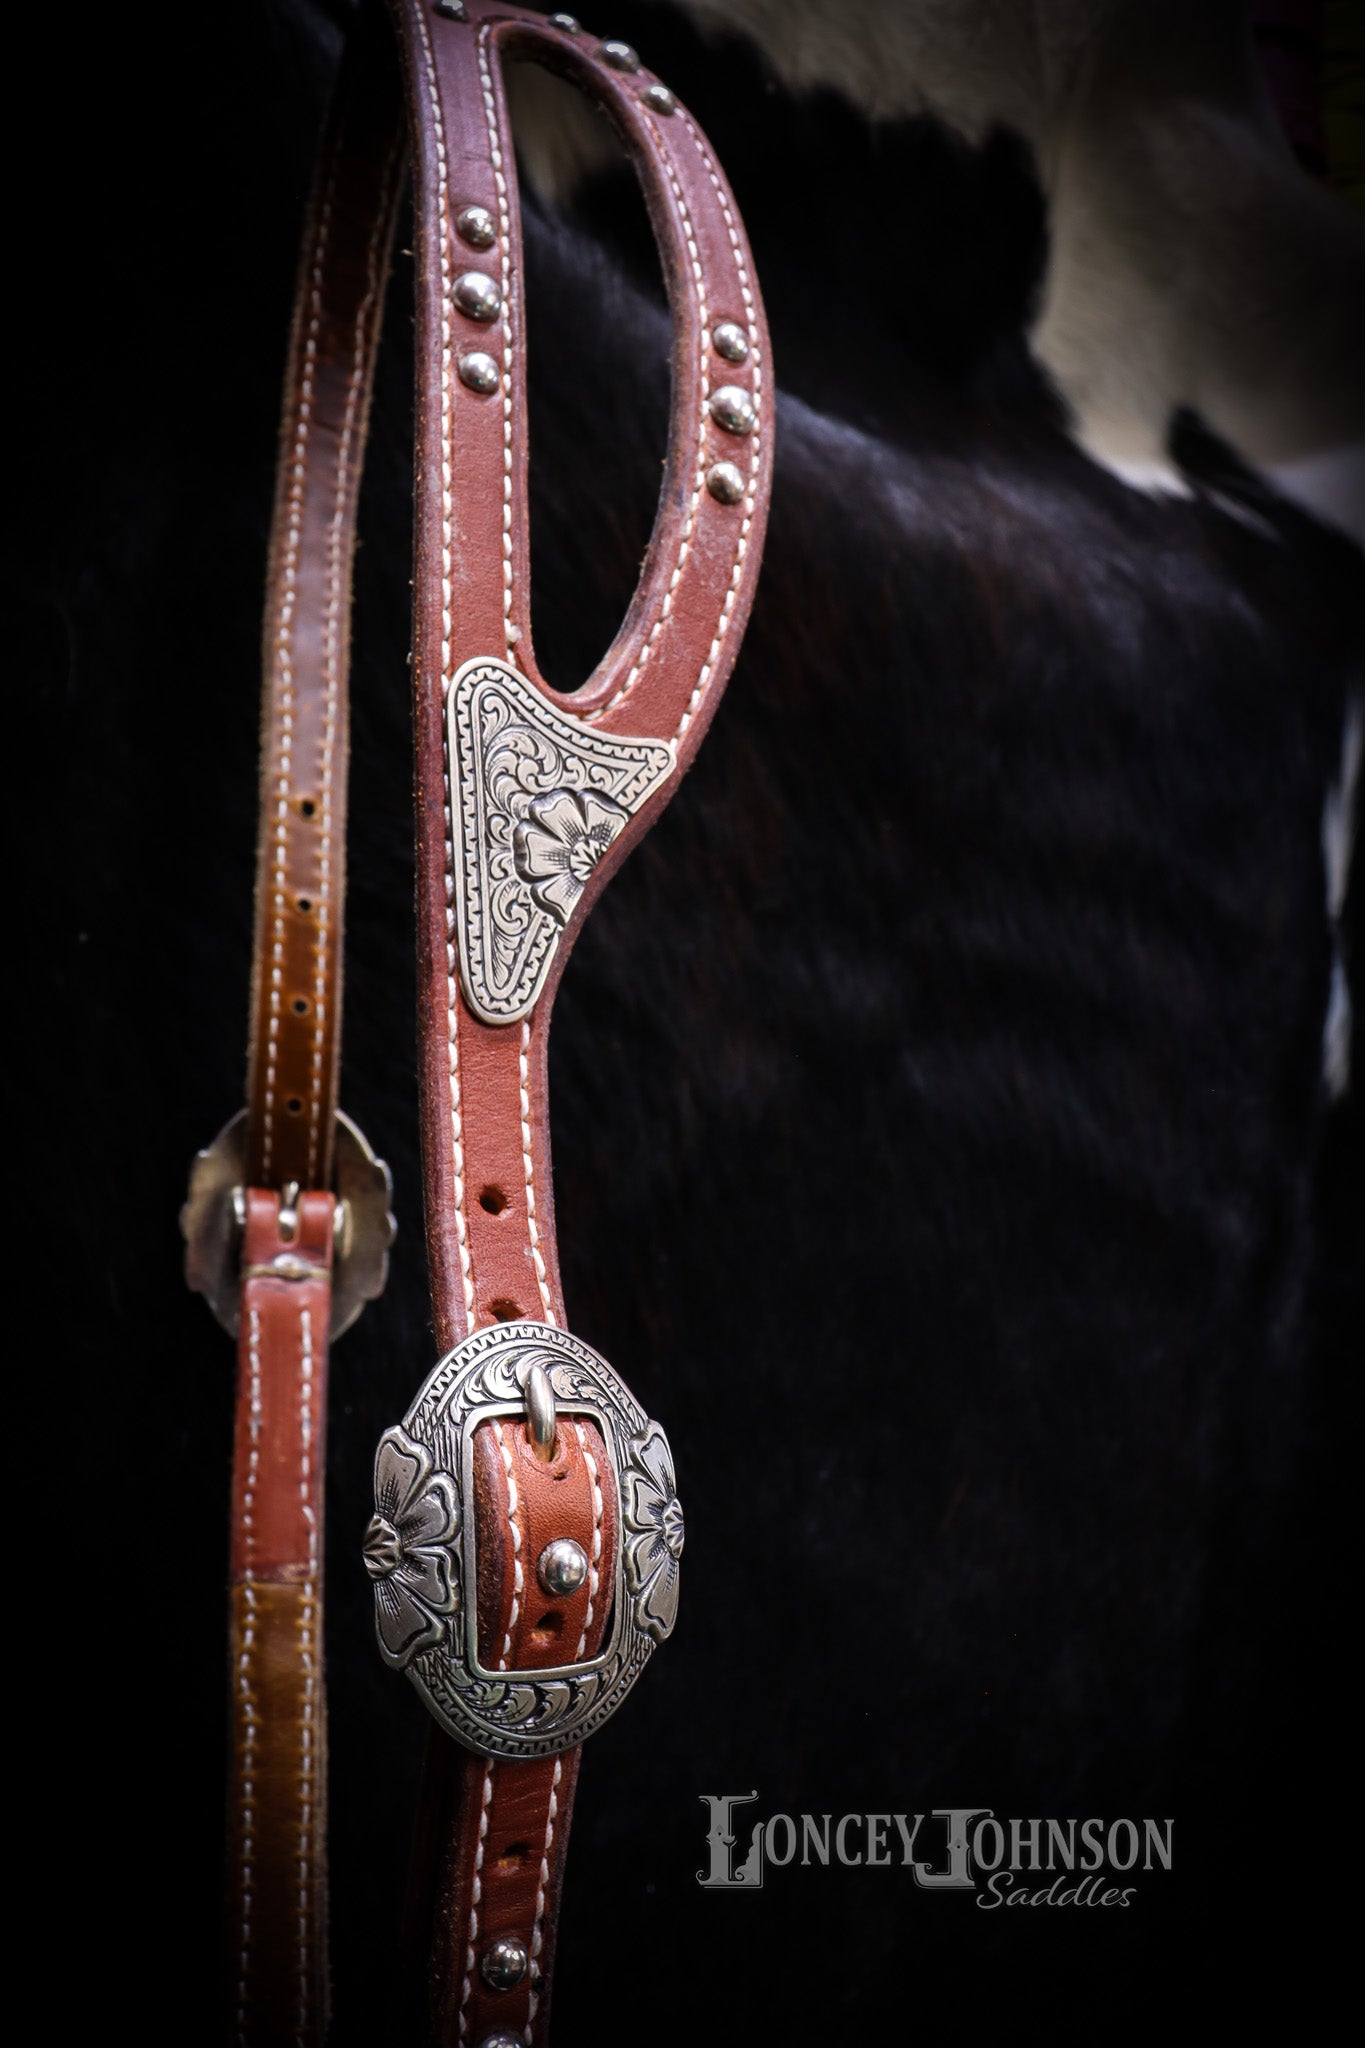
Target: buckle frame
213	1213
425	1624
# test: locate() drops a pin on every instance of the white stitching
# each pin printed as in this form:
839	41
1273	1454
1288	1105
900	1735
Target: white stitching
244	1691
747	521
595	1560
298	471
336	585
447	514
307	1607
537	1930
533	1233
509	336
476	1897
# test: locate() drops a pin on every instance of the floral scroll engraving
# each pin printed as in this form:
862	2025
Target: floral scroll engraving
654	1521
408	1549
537	798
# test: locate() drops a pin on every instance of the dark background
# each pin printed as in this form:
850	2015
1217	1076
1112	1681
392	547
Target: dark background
940	1143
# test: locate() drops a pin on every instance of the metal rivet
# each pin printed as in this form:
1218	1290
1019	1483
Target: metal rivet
730	340
453	10
479	372
620	56
502	2040
478	296
660	98
477	226
562	1566
504	1963
733	409
567	22
725	482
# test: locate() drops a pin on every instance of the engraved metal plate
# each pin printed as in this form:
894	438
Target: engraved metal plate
213	1237
420	1546
536	800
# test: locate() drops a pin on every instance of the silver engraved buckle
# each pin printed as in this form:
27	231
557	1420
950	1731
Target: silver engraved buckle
212	1217
420	1545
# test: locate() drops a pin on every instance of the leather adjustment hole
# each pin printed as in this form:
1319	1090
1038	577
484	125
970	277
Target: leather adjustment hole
307	808
547	1628
294	1106
300	1006
304	906
504	1311
513	1857
493	1200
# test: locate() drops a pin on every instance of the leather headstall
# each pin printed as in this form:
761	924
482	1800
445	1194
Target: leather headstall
525	1542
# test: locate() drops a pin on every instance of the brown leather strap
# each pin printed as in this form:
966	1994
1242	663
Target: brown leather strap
277	1815
500	1856
484	1087
494	1874
277	1907
294	1053
489	1198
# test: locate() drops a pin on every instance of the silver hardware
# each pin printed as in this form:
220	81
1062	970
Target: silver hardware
289	1211
620	56
725	482
729	339
504	1963
538	799
214	1217
733	409
660	98
426	1617
567	22
562	1566
502	2039
540	1412
286	1266
478	296
476	226
479	372
452	10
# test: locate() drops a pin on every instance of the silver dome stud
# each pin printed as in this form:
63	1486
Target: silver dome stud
733	409
479	372
452	10
478	296
502	2039
725	482
504	1963
620	56
660	98
476	226
729	340
568	22
562	1566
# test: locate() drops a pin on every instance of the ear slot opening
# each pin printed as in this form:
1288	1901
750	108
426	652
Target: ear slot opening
597	338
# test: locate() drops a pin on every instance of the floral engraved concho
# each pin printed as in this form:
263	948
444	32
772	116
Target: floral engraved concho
654	1520
407	1548
560	841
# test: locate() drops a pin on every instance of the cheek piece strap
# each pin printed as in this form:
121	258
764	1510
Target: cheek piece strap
525	1544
